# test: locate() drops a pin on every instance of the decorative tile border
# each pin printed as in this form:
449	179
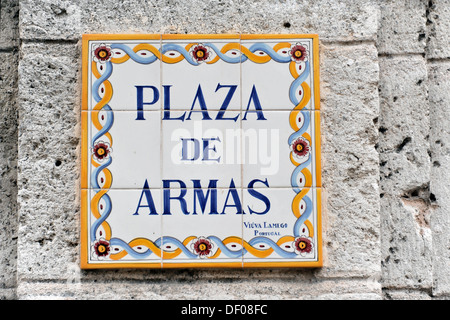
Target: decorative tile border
298	247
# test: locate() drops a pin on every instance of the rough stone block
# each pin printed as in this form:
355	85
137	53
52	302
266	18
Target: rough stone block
48	139
438	23
8	294
8	168
8	92
349	107
406	244
331	19
404	125
200	289
406	295
9	24
405	173
439	97
402	26
45	19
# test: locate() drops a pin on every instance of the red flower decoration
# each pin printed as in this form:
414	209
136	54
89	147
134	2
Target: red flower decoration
101	150
300	147
303	245
298	53
202	247
102	248
102	53
200	53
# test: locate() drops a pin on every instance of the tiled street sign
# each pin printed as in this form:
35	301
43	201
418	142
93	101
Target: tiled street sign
200	151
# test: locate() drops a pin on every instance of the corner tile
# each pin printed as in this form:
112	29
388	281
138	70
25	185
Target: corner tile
282	227
124	227
281	80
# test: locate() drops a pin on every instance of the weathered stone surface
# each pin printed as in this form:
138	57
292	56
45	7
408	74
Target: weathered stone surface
404	125
438	24
405	172
350	110
439	96
406	243
331	19
44	19
8	90
8	169
406	295
402	26
9	24
8	294
203	290
49	133
414	26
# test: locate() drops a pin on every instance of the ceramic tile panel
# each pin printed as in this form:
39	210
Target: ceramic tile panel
200	151
124	227
126	74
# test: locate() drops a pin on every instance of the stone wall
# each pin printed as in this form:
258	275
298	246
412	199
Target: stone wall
413	49
385	99
9	59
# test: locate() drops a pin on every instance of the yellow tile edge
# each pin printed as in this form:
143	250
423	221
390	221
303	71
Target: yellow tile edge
84	150
84	73
106	36
317	148
84	232
218	265
319	228
156	265
199	36
303	264
316	72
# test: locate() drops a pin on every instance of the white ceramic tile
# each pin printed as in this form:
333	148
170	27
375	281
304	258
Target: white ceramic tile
221	160
271	227
266	73
130	223
186	225
141	72
216	81
134	150
268	153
